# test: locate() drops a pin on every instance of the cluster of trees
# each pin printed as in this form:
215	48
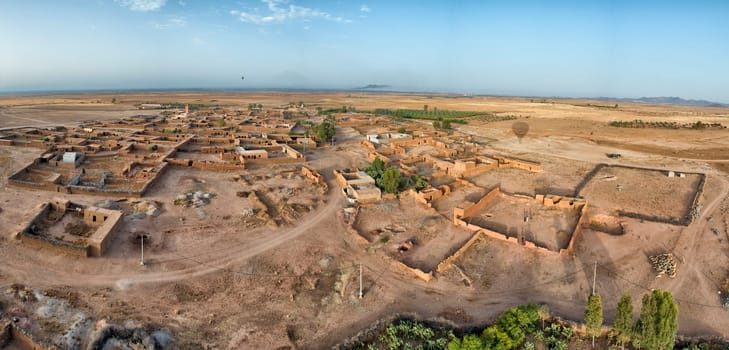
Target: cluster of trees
391	180
442	125
192	106
615	106
637	123
406	334
255	107
344	109
490	118
425	114
655	329
324	131
509	331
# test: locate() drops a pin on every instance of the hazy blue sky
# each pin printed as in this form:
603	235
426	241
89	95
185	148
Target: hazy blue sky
547	48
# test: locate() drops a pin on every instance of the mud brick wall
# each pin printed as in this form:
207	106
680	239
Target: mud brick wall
472	209
291	152
577	232
341	181
312	175
37	186
425	276
365	143
51	244
350	229
162	169
479	169
506	162
446	263
372	155
99	241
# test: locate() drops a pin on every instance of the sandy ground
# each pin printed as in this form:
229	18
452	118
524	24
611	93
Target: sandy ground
213	281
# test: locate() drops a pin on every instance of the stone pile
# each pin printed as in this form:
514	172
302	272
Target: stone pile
194	199
664	264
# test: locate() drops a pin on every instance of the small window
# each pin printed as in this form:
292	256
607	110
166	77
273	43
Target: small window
93	218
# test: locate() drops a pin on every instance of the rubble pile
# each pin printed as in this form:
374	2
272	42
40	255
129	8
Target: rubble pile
664	264
194	199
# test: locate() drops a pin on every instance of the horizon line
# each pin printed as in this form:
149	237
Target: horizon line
41	92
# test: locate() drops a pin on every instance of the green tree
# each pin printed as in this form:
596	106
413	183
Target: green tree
623	324
221	123
324	131
113	100
376	169
419	182
657	326
401	130
390	181
436	124
469	342
495	338
446	124
593	316
425	108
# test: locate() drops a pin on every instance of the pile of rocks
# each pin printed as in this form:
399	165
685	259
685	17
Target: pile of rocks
664	264
194	199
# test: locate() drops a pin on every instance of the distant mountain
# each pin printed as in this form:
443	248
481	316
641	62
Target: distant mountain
677	101
372	87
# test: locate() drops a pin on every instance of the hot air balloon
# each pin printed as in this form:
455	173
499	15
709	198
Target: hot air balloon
242	78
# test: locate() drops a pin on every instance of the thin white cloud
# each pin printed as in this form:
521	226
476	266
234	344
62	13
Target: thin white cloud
171	22
280	12
182	3
143	5
365	9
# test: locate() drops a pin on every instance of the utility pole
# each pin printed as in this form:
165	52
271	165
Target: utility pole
141	262
360	281
594	277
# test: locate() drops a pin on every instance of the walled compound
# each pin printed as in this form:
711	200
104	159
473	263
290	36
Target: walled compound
72	228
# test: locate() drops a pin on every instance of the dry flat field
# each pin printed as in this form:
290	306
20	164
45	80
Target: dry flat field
216	280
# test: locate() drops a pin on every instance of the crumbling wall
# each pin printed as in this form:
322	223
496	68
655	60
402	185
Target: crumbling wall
509	162
467	209
576	233
373	155
446	263
370	146
312	175
291	152
46	243
425	276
